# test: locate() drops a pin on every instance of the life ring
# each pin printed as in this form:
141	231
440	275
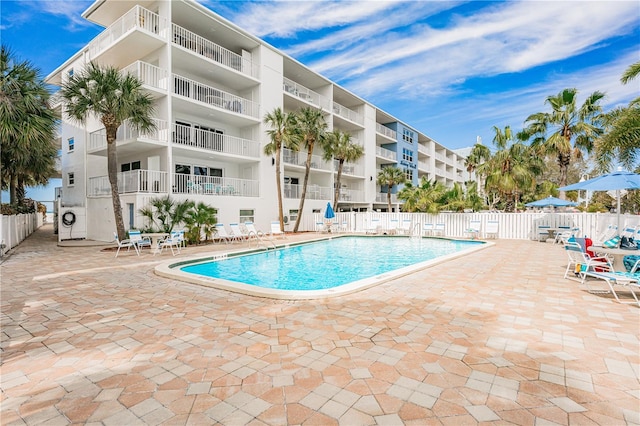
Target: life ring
68	218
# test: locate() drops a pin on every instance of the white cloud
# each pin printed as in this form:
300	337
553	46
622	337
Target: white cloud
70	11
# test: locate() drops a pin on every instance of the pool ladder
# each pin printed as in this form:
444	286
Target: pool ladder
415	232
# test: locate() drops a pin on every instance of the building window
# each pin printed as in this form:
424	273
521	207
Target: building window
71	179
71	144
183	169
134	165
293	215
246	215
407	135
408	174
407	155
70	72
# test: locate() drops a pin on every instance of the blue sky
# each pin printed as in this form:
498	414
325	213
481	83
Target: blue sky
450	69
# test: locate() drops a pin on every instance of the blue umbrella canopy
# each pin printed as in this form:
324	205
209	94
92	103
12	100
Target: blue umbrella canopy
551	202
328	213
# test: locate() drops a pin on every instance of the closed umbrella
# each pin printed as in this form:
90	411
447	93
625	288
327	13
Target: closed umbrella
329	213
551	202
615	181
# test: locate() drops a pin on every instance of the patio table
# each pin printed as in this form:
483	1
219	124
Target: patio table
155	238
617	253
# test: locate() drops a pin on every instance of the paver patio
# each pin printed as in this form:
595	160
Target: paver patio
497	336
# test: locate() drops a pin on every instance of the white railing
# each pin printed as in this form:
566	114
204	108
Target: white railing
98	139
385	153
440	156
351	195
347	113
314	192
382	197
55	100
148	181
213	141
305	94
384	130
423	149
298	158
216	53
136	18
214	185
210	95
349	168
440	171
149	74
423	165
16	228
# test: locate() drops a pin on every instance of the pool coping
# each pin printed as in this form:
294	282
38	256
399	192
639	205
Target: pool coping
170	270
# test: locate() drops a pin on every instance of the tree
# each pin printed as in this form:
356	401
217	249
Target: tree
338	145
553	132
478	155
310	128
281	135
622	138
164	213
27	127
113	98
200	219
426	197
390	176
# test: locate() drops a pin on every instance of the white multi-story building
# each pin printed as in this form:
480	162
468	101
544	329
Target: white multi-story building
213	83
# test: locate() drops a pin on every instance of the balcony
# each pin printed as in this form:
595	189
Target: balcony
314	192
208	49
215	186
440	157
423	165
348	114
136	34
351	196
214	141
351	169
386	154
307	95
133	181
385	131
294	158
128	139
423	149
149	75
215	97
381	197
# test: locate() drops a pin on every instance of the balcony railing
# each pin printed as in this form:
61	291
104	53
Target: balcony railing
55	100
423	165
146	181
347	113
349	168
381	197
384	130
216	53
351	195
385	153
300	159
214	185
305	94
210	95
98	139
214	141
137	18
440	156
314	192
423	149
149	74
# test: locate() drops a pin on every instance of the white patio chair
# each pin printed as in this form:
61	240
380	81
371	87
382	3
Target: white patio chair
474	229
125	243
252	232
223	235
237	232
580	262
139	240
374	227
492	229
393	227
275	230
405	226
427	229
630	280
563	235
439	229
173	242
320	227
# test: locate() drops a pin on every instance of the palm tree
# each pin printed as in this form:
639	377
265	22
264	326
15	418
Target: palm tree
622	139
112	97
200	219
554	131
310	128
27	127
426	197
478	155
338	145
281	136
390	176
164	213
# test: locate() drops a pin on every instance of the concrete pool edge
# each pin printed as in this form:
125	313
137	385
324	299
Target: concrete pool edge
170	269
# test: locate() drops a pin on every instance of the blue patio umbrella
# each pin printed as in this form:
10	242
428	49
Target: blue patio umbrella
620	179
328	213
551	202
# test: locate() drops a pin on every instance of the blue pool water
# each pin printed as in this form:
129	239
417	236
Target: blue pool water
327	264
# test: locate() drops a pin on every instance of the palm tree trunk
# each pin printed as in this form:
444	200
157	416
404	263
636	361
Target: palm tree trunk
13	184
336	194
112	167
389	197
307	171
279	189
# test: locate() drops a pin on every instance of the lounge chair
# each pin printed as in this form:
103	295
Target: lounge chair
427	229
393	227
237	232
139	240
275	230
439	229
564	233
630	280
473	230
125	243
374	227
252	232
580	263
405	227
173	242
492	229
223	235
609	232
543	233
321	227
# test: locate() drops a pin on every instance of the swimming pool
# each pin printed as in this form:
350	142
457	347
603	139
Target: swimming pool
330	267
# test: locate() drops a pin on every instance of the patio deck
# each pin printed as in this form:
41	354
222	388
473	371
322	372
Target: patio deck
495	337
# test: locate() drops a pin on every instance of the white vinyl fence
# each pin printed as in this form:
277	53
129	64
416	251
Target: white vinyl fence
15	228
517	226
